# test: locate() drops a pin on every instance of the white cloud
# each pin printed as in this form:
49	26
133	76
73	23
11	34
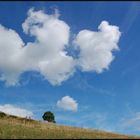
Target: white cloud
10	49
47	54
96	47
67	103
17	111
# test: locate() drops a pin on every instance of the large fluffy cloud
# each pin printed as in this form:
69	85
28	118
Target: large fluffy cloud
47	54
10	51
96	47
67	103
17	111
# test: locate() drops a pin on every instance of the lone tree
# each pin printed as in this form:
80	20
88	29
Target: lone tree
49	116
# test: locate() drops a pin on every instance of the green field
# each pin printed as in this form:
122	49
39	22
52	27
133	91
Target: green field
14	127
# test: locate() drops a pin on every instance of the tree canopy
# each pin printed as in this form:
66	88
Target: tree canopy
49	116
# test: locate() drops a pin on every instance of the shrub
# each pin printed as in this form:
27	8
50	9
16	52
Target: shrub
2	114
49	116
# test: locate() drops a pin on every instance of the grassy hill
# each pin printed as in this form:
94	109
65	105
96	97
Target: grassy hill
12	127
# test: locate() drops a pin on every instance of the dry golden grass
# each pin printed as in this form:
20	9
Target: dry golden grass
14	128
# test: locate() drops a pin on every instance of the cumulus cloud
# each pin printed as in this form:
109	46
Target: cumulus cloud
68	103
10	50
96	47
17	111
47	54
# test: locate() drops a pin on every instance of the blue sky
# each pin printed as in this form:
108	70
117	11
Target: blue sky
108	100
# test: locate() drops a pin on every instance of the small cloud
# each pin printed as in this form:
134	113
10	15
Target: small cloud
96	47
17	111
68	103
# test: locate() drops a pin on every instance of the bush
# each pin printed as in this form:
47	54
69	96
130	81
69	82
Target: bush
2	114
49	116
12	116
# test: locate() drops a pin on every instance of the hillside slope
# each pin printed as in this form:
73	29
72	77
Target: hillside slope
12	127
